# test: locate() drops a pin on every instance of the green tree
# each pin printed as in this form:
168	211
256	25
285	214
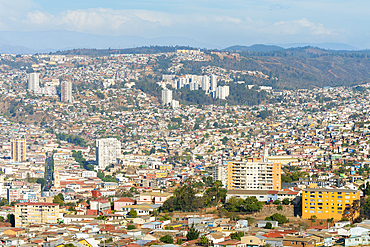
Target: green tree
58	200
11	219
203	241
184	199
268	225
132	213
179	241
344	219
237	235
193	233
286	201
167	239
131	227
277	217
4	202
277	202
41	181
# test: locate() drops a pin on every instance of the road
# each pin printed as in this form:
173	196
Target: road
49	175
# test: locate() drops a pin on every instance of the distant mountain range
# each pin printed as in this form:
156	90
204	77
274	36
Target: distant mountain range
51	41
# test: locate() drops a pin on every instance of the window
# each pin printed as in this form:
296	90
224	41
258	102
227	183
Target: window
340	197
319	212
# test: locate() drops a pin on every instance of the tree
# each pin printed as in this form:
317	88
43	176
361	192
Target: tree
277	217
11	219
277	202
331	220
179	241
313	218
193	233
132	213
4	202
268	225
2	219
41	181
203	241
184	199
236	235
286	201
354	211
167	239
344	219
58	200
131	227
280	208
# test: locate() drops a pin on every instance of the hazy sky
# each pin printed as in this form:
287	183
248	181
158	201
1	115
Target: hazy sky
218	22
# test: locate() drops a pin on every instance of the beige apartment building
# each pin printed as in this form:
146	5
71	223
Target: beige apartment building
18	150
254	174
36	213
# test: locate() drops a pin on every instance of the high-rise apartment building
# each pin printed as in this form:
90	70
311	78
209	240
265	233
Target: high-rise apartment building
66	91
254	174
166	96
36	213
213	83
18	150
33	81
205	83
219	172
107	152
328	203
222	92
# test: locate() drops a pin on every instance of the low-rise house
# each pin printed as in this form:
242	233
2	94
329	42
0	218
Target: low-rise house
253	241
124	201
299	242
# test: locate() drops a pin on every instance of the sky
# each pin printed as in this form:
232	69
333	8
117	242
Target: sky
217	22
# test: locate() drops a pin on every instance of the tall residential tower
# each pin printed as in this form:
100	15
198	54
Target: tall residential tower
33	81
107	152
18	150
166	97
66	91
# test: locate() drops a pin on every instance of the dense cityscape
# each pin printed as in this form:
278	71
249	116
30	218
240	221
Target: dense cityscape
144	149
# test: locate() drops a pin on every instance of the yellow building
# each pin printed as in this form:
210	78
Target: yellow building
327	203
161	174
18	150
254	174
36	213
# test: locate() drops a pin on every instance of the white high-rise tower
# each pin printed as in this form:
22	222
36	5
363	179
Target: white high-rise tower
107	152
166	96
33	81
205	83
66	91
213	83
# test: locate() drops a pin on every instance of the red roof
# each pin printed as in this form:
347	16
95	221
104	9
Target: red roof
101	200
273	192
125	199
273	235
